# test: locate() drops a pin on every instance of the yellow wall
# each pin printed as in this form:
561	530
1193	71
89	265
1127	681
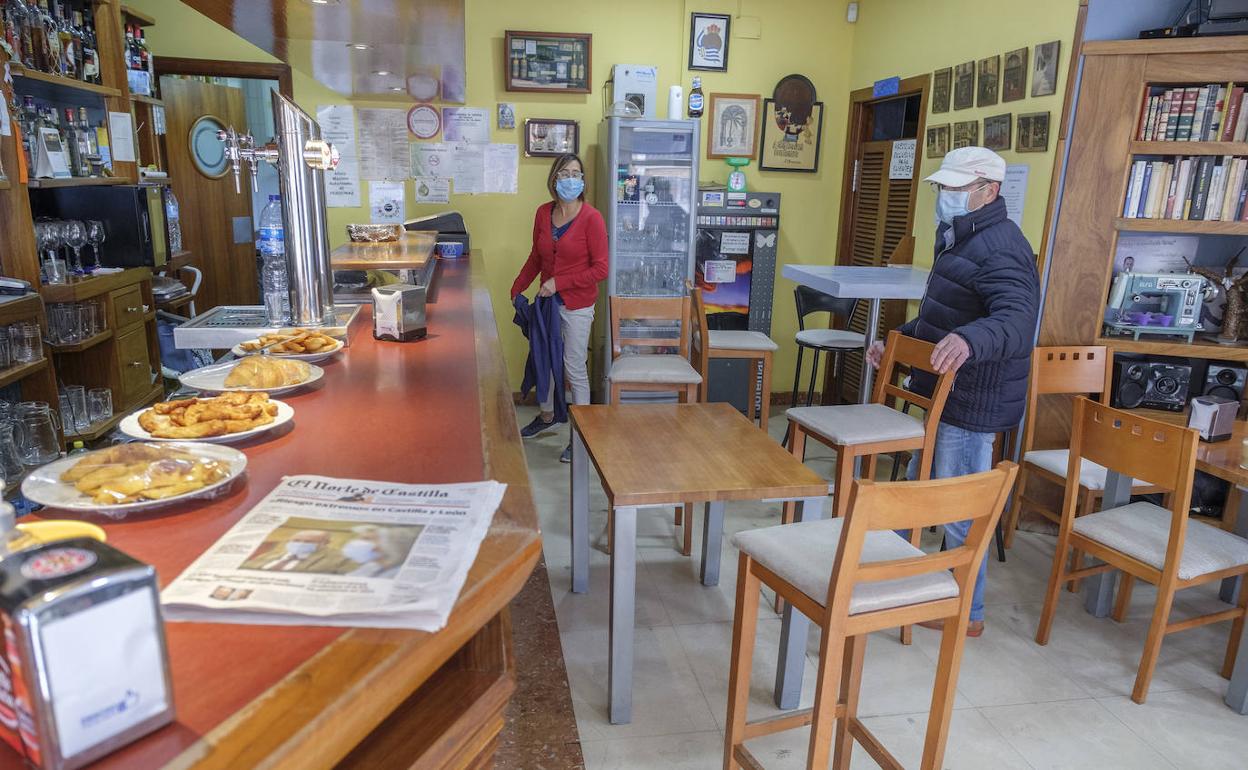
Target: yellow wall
915	37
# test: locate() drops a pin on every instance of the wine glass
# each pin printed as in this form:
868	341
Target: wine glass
48	240
75	235
95	237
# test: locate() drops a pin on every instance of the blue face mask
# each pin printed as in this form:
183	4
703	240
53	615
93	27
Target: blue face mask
569	189
950	204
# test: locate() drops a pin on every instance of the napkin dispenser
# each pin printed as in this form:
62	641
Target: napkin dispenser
84	668
1213	417
399	312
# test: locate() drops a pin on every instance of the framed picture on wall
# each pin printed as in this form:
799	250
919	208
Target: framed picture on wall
1033	132
941	80
708	41
1014	80
790	139
964	86
965	133
549	138
989	81
998	132
555	62
734	126
1044	69
937	141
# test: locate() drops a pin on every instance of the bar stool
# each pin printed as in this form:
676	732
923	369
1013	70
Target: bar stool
834	342
854	575
755	347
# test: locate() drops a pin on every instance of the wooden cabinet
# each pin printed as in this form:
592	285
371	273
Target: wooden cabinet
134	366
126	306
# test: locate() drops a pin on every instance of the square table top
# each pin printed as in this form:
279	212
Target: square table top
411	252
651	454
861	282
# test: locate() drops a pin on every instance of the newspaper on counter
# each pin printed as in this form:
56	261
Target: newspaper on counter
321	551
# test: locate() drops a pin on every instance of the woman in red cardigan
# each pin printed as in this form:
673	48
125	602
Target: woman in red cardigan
570	254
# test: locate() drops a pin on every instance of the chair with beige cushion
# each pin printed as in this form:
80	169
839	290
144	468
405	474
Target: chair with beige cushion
754	347
1145	541
854	575
657	371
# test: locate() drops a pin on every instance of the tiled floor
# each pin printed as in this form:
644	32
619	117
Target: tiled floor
1019	705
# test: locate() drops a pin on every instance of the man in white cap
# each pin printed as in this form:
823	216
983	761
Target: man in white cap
980	310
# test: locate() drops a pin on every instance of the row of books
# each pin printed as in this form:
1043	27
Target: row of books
1212	113
1206	188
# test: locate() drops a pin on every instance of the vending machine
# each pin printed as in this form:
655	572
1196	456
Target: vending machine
735	266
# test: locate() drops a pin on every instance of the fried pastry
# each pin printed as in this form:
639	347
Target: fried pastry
292	342
127	473
193	418
267	372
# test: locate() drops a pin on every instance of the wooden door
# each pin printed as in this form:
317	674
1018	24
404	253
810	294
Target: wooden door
211	210
877	213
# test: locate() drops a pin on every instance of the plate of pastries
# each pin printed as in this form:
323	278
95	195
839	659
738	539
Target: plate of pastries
298	344
135	476
253	374
230	417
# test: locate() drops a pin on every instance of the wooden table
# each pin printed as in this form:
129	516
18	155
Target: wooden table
661	455
435	411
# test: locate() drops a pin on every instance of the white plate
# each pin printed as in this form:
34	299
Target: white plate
319	355
130	426
211	379
44	485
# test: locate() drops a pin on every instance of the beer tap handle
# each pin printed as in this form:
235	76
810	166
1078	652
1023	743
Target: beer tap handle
229	137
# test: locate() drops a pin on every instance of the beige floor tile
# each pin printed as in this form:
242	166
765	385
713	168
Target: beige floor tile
897	679
688	751
1073	735
1191	728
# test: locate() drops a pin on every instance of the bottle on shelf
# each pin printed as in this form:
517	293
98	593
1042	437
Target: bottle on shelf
67	64
90	51
695	98
173	221
73	147
274	285
131	51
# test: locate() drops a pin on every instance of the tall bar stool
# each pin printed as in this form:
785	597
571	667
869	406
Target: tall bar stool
854	575
755	347
835	342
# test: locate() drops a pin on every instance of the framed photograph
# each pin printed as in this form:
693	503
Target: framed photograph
554	62
964	86
1033	132
1014	80
734	126
1044	70
941	80
989	81
790	140
998	132
549	138
708	41
506	115
937	141
965	133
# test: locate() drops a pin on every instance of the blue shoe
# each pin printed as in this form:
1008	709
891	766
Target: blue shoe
537	427
566	457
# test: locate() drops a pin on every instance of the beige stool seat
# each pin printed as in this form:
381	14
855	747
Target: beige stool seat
851	424
800	554
731	339
654	369
1091	475
831	338
1142	531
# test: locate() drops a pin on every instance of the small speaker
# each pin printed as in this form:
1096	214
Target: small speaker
1150	385
1226	381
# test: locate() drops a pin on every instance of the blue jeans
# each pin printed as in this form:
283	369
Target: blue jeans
960	452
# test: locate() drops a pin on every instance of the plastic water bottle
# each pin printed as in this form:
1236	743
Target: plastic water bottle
274	285
173	221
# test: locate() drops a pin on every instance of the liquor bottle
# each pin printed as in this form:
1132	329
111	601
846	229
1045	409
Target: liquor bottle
39	38
131	53
51	33
90	52
30	128
524	69
79	44
68	64
12	34
695	99
92	143
146	60
69	140
22	16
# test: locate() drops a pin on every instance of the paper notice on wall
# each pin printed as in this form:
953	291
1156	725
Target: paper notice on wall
502	163
342	185
433	189
383	144
121	127
385	203
431	159
1014	191
468	168
734	243
466	124
720	270
902	164
6	127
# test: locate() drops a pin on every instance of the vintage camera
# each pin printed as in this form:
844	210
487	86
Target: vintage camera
1141	383
1226	381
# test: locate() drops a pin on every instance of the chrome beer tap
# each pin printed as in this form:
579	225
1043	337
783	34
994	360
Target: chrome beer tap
241	148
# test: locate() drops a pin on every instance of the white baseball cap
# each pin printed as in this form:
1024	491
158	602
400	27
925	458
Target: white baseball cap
966	164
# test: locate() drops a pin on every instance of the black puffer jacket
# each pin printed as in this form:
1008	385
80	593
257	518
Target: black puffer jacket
984	288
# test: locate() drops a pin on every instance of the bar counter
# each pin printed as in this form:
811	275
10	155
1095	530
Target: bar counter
434	411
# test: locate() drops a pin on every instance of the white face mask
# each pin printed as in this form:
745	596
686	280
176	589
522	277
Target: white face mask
360	551
300	548
954	203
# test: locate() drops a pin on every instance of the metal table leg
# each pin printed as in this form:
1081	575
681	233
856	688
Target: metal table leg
1237	690
623	597
1098	597
712	539
1229	592
868	374
793	630
580	514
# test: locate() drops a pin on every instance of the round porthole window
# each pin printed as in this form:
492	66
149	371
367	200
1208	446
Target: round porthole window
207	151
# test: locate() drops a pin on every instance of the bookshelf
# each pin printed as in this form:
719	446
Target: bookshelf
1180	226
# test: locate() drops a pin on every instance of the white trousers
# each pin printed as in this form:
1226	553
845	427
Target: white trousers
574	325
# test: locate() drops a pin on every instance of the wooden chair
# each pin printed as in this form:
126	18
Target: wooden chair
1145	541
874	580
755	347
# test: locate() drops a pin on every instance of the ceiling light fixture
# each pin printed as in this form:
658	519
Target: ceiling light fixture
396	88
383	73
359	46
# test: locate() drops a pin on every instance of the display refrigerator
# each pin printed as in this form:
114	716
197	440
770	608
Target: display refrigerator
647	190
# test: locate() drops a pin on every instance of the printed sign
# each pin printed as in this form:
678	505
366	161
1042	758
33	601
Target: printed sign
719	270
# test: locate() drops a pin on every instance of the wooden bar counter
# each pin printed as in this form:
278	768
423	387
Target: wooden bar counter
247	696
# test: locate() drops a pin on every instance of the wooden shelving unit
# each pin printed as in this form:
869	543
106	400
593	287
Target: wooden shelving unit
21	371
1198	227
62	82
1188	148
78	181
138	17
88	343
93	286
1160	347
146	99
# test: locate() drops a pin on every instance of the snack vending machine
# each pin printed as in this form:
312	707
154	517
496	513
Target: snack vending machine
735	267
